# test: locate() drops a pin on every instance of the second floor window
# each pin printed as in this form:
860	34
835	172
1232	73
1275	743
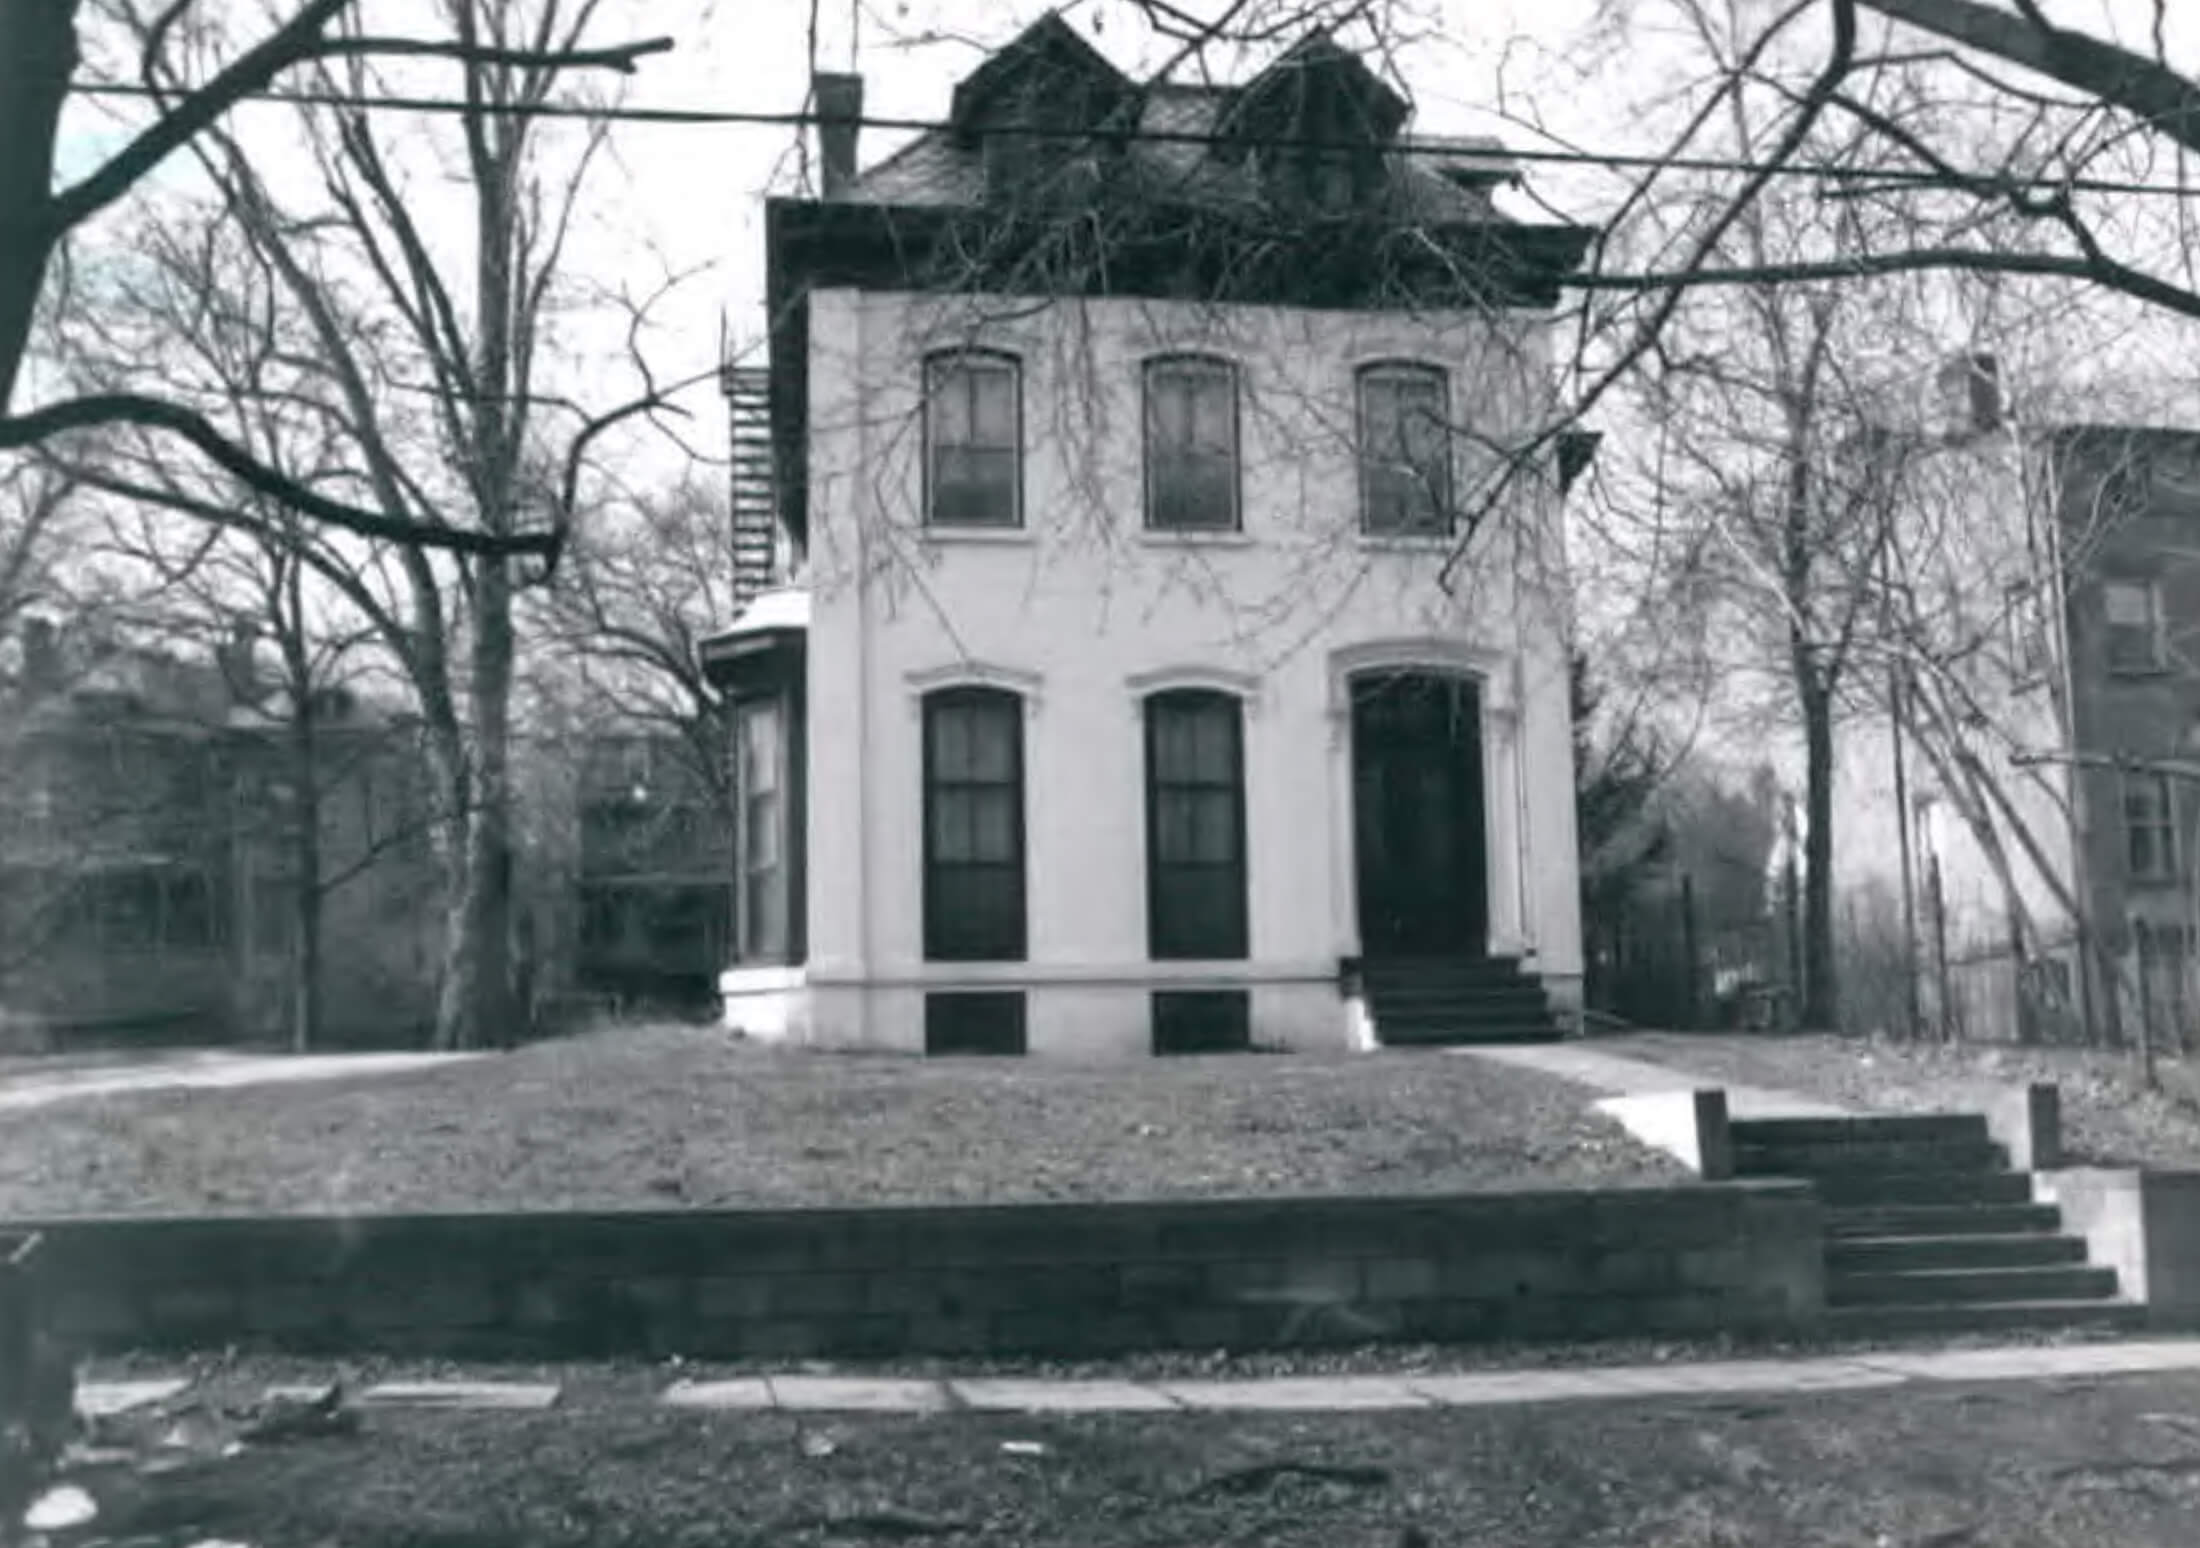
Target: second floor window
1191	445
2150	828
1405	451
2134	613
972	439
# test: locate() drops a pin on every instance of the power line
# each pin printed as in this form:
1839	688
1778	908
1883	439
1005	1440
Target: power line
732	117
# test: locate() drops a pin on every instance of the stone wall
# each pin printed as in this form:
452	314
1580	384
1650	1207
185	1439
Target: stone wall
1041	1279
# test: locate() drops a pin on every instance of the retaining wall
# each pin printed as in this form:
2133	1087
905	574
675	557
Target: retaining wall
1058	1280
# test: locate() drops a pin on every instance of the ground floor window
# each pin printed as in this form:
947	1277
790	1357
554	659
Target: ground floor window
760	830
974	825
1195	825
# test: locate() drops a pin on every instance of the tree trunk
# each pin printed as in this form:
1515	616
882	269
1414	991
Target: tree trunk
1819	1000
37	58
475	1007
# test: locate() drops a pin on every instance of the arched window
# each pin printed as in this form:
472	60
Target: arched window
974	825
1191	444
1195	824
973	439
1405	449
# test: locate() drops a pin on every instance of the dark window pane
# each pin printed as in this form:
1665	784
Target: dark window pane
1191	445
1195	813
1196	1021
972	430
973	884
974	1022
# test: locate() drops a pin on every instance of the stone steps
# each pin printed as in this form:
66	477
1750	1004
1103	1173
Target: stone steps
1943	1220
1919	1254
1445	1001
1928	1231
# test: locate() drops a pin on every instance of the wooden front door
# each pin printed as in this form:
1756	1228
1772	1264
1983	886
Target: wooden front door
1417	815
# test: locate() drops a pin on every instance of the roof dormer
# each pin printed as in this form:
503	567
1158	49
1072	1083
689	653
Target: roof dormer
1040	110
1316	124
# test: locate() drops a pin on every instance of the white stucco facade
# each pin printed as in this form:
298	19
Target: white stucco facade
1083	613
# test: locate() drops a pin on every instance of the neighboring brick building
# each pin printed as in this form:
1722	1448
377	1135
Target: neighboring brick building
148	848
2063	580
2129	506
655	872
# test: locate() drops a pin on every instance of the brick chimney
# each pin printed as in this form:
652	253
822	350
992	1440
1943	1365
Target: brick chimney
1970	394
839	100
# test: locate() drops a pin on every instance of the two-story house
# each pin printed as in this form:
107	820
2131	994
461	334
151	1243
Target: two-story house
1172	648
2054	723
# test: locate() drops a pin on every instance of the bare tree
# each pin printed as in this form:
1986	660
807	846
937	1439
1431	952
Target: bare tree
41	54
402	346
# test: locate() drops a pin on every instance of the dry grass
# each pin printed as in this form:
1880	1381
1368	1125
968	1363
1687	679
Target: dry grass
2016	1465
661	1117
2109	1118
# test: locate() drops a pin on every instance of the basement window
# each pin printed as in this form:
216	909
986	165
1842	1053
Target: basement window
974	1022
1202	1021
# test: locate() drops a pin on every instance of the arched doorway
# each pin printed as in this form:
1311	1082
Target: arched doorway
1421	861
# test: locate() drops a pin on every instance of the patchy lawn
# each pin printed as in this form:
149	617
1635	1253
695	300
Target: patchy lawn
2109	1118
2072	1464
663	1117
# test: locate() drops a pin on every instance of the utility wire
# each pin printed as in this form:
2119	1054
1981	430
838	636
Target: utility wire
1497	153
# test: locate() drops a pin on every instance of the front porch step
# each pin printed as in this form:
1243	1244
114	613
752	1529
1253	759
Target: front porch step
1985	1317
1785	1158
1442	1001
1940	1287
1454	1030
1943	1220
1918	1254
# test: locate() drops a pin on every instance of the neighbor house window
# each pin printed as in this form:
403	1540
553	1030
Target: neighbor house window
2134	612
972	440
2150	828
974	825
1195	824
1191	445
760	857
1405	450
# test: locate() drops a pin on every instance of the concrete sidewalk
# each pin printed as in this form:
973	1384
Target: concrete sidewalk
811	1392
206	1072
1616	1075
1336	1394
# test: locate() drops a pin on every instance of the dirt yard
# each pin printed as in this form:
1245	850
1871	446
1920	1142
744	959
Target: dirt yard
665	1117
2066	1464
2109	1118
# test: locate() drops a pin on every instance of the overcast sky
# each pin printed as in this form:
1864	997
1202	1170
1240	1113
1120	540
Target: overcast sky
687	199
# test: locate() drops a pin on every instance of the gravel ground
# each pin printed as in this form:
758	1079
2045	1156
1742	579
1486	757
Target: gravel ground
2109	1118
677	1116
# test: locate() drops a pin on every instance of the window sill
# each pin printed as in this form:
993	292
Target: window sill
1195	537
1409	542
2153	883
1010	536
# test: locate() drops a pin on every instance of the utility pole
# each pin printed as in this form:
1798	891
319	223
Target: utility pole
1910	966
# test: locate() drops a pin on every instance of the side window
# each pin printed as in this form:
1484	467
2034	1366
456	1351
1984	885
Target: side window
1191	445
973	825
1405	450
760	830
2134	613
973	440
2150	828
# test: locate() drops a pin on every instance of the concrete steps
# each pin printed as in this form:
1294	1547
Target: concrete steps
1929	1231
1441	1001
